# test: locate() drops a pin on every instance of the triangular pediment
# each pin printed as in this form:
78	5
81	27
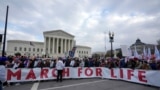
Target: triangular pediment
58	33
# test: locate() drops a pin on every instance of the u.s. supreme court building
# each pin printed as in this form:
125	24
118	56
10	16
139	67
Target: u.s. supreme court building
56	43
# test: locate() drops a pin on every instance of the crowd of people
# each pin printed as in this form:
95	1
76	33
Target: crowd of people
37	62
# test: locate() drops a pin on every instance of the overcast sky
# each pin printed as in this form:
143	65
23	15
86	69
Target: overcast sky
87	20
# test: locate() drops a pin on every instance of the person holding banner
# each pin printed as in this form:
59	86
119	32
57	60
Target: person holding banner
59	67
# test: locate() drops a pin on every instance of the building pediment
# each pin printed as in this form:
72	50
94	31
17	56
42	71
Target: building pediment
58	33
138	43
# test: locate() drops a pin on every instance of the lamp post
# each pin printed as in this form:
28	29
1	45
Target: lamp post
111	37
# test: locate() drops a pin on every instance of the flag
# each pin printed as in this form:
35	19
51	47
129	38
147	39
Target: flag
72	52
31	43
156	53
74	49
149	54
144	53
26	62
135	52
129	52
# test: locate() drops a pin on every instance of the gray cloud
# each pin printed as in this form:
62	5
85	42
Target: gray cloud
86	19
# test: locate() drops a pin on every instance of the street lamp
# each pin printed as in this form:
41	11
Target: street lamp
111	37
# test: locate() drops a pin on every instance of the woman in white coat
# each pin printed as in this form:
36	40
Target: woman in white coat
59	66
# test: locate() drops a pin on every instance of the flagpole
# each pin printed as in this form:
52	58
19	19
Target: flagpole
5	31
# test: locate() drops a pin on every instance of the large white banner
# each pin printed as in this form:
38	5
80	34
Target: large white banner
148	77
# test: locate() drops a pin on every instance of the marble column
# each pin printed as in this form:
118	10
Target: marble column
53	45
61	46
69	45
57	48
45	45
65	45
49	42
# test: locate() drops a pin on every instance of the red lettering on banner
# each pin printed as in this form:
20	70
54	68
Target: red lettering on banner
121	73
11	74
79	71
54	73
130	73
98	71
86	72
141	76
112	73
66	72
14	75
31	75
44	72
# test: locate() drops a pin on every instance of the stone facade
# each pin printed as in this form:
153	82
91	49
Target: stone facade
57	43
82	51
29	48
140	45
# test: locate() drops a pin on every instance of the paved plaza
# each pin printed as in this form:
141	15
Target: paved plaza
81	84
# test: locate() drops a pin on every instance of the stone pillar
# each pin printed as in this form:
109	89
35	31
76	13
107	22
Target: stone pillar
57	45
65	45
61	45
69	45
45	45
53	45
49	44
